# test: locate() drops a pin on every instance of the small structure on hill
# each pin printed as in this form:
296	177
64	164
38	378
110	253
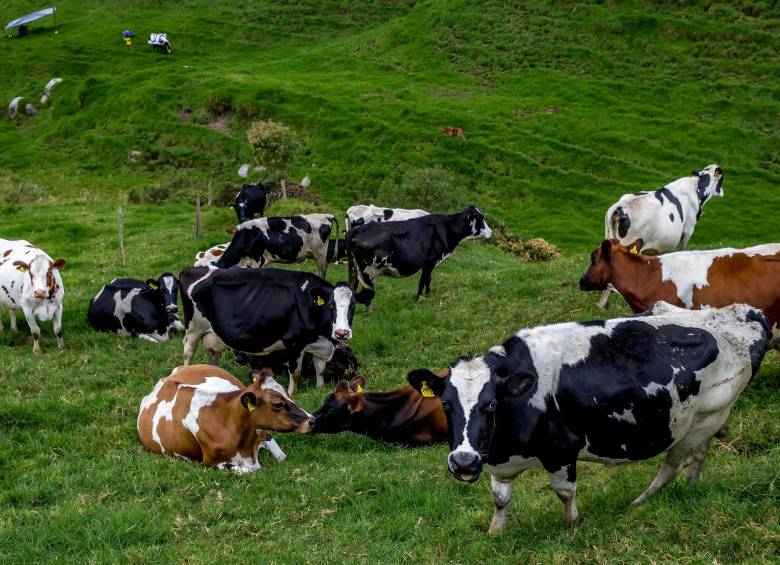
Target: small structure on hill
22	22
49	89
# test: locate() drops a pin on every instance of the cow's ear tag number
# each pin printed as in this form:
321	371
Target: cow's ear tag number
359	389
426	391
319	301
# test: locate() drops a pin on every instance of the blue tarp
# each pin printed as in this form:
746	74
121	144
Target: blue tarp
30	17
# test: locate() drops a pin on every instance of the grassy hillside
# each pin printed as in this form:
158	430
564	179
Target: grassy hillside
565	106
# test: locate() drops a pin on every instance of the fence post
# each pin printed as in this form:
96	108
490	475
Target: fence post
121	236
197	216
211	196
284	189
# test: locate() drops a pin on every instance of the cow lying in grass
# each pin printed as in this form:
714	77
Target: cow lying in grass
402	416
610	391
203	413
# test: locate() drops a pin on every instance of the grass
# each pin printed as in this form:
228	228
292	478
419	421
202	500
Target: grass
565	106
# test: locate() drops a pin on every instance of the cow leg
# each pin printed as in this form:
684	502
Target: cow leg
502	493
274	449
213	346
191	340
602	303
425	281
58	327
675	461
322	260
694	469
35	330
2	327
12	316
564	483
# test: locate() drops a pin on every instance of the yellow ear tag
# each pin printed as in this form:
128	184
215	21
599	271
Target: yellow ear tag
250	407
359	389
254	378
319	301
21	269
153	286
426	391
634	250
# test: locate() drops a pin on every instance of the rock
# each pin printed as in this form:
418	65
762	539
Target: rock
259	168
244	170
48	90
133	155
306	181
30	110
13	107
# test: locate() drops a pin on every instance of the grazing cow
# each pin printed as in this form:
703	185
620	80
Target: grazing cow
663	219
210	257
693	279
365	214
258	311
131	307
337	250
342	364
454	132
610	392
250	202
30	281
288	239
400	249
398	416
203	413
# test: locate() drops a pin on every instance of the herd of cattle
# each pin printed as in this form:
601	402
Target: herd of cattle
610	391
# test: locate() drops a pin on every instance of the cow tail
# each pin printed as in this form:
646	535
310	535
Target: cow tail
351	269
336	221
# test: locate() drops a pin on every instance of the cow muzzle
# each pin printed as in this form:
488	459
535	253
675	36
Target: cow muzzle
465	466
342	335
40	293
306	426
172	308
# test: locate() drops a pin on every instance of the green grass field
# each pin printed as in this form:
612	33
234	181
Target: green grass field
565	107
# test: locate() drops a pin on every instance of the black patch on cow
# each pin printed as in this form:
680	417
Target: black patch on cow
640	193
665	192
701	187
300	224
671	217
324	231
623	221
758	347
277	224
388	213
253	197
593	323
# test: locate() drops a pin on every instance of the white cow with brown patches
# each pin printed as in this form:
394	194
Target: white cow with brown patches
210	257
30	281
203	413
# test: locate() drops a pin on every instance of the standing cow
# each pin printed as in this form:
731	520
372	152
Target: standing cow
132	307
250	202
610	392
30	281
261	311
400	249
288	239
663	219
367	213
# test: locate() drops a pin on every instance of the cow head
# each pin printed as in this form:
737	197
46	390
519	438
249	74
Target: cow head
338	310
335	414
599	274
477	224
709	182
248	200
40	271
168	285
269	408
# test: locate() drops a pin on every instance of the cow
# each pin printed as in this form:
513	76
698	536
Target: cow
400	249
250	202
210	257
367	213
693	279
663	219
288	239
401	416
454	132
203	413
337	250
342	363
30	281
258	311
611	392
132	307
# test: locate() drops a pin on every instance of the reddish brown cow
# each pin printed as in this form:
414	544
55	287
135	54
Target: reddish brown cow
203	413
455	132
402	416
692	279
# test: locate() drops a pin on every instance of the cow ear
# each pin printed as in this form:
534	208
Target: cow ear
694	173
341	387
151	283
59	264
606	250
636	247
517	383
231	231
319	297
357	384
21	266
426	383
249	401
356	402
261	375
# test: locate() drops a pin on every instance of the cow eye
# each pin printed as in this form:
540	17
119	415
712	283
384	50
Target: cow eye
278	405
491	407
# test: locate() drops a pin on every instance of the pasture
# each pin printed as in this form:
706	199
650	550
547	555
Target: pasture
565	107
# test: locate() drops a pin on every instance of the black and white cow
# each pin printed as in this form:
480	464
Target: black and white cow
132	307
662	220
337	250
400	249
261	311
288	239
250	202
367	213
611	392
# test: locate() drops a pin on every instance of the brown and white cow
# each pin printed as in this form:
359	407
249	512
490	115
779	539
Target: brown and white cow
403	416
210	257
203	413
692	279
30	281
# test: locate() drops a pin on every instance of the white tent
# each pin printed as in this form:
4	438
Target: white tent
31	18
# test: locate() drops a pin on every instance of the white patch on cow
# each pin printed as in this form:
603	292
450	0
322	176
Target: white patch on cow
468	378
304	285
205	394
626	416
623	446
243	464
164	410
498	350
123	305
688	270
551	347
274	449
342	297
148	400
180	456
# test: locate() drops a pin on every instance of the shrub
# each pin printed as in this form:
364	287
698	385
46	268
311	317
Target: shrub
273	143
532	250
430	188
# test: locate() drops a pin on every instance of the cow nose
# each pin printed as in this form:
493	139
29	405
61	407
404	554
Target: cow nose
172	308
465	465
583	284
39	294
342	334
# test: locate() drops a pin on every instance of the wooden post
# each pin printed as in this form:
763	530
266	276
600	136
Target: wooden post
121	236
197	216
211	196
284	189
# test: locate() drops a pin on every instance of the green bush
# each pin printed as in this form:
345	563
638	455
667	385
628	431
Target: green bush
429	188
273	143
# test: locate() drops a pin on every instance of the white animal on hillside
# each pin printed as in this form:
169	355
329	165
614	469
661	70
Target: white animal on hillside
30	281
365	214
